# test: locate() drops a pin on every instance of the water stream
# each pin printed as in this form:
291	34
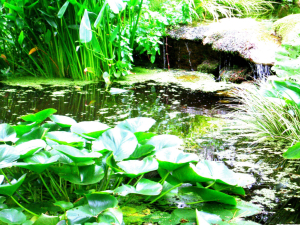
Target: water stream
192	115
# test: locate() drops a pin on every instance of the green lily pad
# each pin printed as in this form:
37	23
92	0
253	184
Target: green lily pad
172	159
111	216
125	190
139	124
64	205
142	150
79	215
293	152
77	156
98	202
12	216
63	121
30	147
10	189
24	127
164	141
121	142
7	133
66	138
40	116
87	127
35	133
134	168
7	155
143	137
47	220
148	187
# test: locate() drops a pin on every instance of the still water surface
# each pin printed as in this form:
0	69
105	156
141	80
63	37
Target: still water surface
192	115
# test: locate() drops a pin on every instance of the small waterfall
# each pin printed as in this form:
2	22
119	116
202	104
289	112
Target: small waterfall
260	71
189	51
164	53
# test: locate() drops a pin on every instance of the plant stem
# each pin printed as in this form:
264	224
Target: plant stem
23	206
190	203
162	181
210	184
176	186
47	188
138	180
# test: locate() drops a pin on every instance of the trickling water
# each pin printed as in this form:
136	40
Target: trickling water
164	53
260	71
189	51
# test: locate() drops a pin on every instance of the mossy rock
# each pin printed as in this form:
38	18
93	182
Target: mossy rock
288	28
208	66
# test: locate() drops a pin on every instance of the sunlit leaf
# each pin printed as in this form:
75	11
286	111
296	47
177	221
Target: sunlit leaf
148	187
63	9
87	127
7	133
30	147
64	205
10	189
66	138
63	121
39	116
47	220
111	216
293	152
138	124
85	32
164	141
7	155
98	202
12	216
142	150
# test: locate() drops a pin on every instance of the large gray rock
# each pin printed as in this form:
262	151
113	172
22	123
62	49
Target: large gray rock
249	38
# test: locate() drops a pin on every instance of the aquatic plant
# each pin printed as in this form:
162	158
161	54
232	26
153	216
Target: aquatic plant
85	169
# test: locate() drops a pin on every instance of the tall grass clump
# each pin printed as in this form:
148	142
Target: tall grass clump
269	117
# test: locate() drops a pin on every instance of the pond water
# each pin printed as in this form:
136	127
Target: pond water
199	118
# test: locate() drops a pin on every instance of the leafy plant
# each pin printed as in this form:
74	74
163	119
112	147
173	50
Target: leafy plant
84	168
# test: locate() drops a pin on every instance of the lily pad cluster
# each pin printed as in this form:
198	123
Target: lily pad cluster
86	168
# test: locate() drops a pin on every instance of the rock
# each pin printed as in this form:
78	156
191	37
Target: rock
235	75
251	39
209	66
288	28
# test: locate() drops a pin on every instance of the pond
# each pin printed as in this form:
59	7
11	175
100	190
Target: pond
203	120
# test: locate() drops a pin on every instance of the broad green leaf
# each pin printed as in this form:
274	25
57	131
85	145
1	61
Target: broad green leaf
13	7
121	142
100	15
208	195
29	148
35	133
7	133
64	205
63	9
10	189
172	159
78	156
24	128
21	38
40	116
95	43
98	202
63	121
66	138
79	215
134	168
148	187
142	150
293	152
38	162
111	216
82	175
50	21
85	31
138	124
124	190
47	220
164	141
88	127
200	218
7	155
142	137
12	216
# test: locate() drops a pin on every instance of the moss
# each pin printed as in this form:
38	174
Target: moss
208	66
288	28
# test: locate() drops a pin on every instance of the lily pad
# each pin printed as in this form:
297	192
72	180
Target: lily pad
98	202
30	147
87	127
39	116
66	138
139	124
7	133
164	141
142	150
10	189
7	156
63	121
12	216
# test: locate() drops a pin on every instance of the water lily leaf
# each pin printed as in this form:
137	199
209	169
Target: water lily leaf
7	155
38	162
12	216
51	126
40	116
164	141
121	142
288	89
172	159
64	205
114	91
66	138
35	133
208	195
47	220
143	136
83	175
111	216
24	128
124	190
7	133
10	189
27	149
139	124
79	215
77	156
162	218
99	202
293	152
227	188
63	121
148	187
85	31
89	128
202	220
142	150
134	168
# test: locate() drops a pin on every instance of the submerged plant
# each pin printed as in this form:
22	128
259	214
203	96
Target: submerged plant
87	168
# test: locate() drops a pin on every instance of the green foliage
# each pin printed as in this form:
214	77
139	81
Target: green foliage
83	174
